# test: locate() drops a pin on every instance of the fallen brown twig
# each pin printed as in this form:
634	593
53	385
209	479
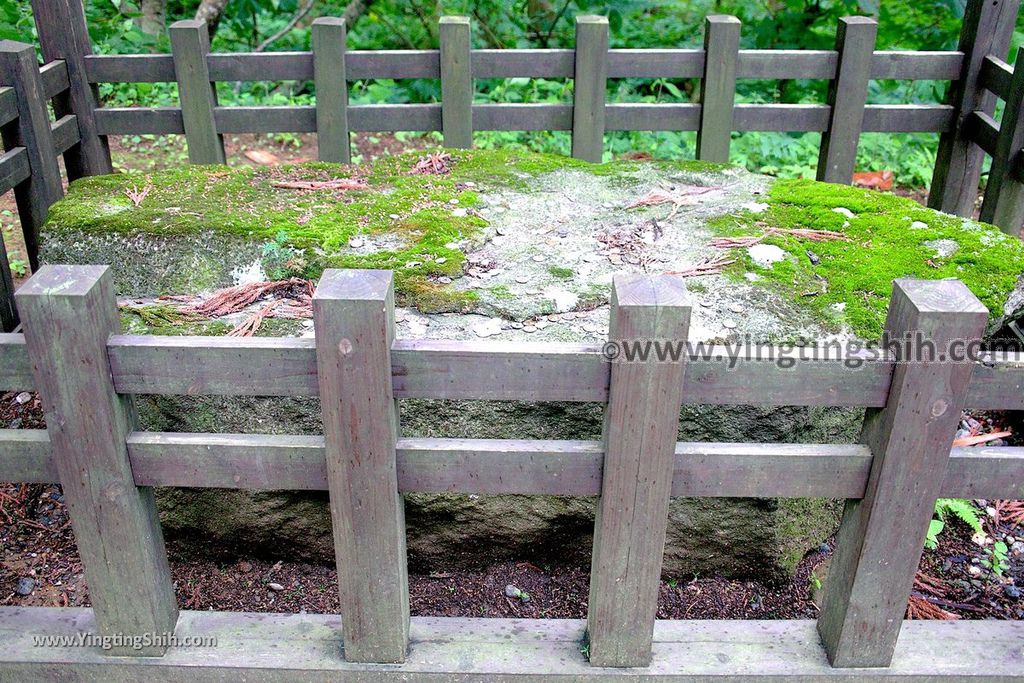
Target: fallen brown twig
338	184
705	267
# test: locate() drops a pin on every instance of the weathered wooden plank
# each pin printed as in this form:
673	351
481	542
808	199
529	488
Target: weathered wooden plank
785	64
190	43
262	66
54	76
394	117
65	133
456	82
523	116
461	370
301	648
655	63
8	311
780	117
1004	195
8	105
15	368
329	46
129	68
718	87
982	130
880	539
69	311
590	78
996	76
374	64
31	130
139	121
63	35
13	168
987	27
265	119
908	118
847	96
630	116
354	319
25	457
538	63
640	426
917	66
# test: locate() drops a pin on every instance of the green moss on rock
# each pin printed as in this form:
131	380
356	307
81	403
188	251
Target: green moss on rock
888	237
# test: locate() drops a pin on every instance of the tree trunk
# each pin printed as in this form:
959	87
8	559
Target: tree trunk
210	11
153	17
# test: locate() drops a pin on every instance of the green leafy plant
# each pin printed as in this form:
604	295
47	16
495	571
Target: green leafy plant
997	558
963	510
280	260
19	267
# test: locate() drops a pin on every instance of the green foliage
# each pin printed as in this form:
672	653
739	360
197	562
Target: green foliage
280	260
18	266
963	510
997	558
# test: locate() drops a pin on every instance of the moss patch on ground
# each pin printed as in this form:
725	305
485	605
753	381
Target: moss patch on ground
889	237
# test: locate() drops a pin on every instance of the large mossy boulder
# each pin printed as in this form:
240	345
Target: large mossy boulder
516	246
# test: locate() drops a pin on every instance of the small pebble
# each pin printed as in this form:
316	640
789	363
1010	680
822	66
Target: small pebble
394	216
729	324
1012	592
512	592
276	587
529	328
844	211
522	279
23	398
539	258
735	308
25	586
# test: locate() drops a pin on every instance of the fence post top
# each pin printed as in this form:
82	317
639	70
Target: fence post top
721	19
454	19
14	46
591	19
353	284
858	19
637	289
189	24
63	281
329	21
937	296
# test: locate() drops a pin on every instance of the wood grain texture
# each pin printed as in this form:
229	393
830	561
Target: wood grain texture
65	133
31	130
1004	195
718	87
987	27
847	96
329	46
64	35
590	77
353	314
69	311
641	422
26	457
190	44
456	82
54	76
881	537
996	76
15	367
982	130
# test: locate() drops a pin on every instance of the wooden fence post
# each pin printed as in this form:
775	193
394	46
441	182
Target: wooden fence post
8	311
988	25
881	537
847	97
63	34
31	130
190	44
1004	193
589	85
332	138
718	87
353	313
641	422
456	82
69	312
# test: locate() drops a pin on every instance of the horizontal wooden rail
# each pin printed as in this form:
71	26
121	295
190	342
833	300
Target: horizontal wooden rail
983	130
460	370
65	133
287	648
890	118
528	63
14	168
996	76
54	77
8	105
510	466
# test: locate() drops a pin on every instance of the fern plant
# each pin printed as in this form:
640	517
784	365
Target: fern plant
963	510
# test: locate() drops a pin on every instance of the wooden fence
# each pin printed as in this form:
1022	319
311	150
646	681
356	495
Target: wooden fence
976	71
72	352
